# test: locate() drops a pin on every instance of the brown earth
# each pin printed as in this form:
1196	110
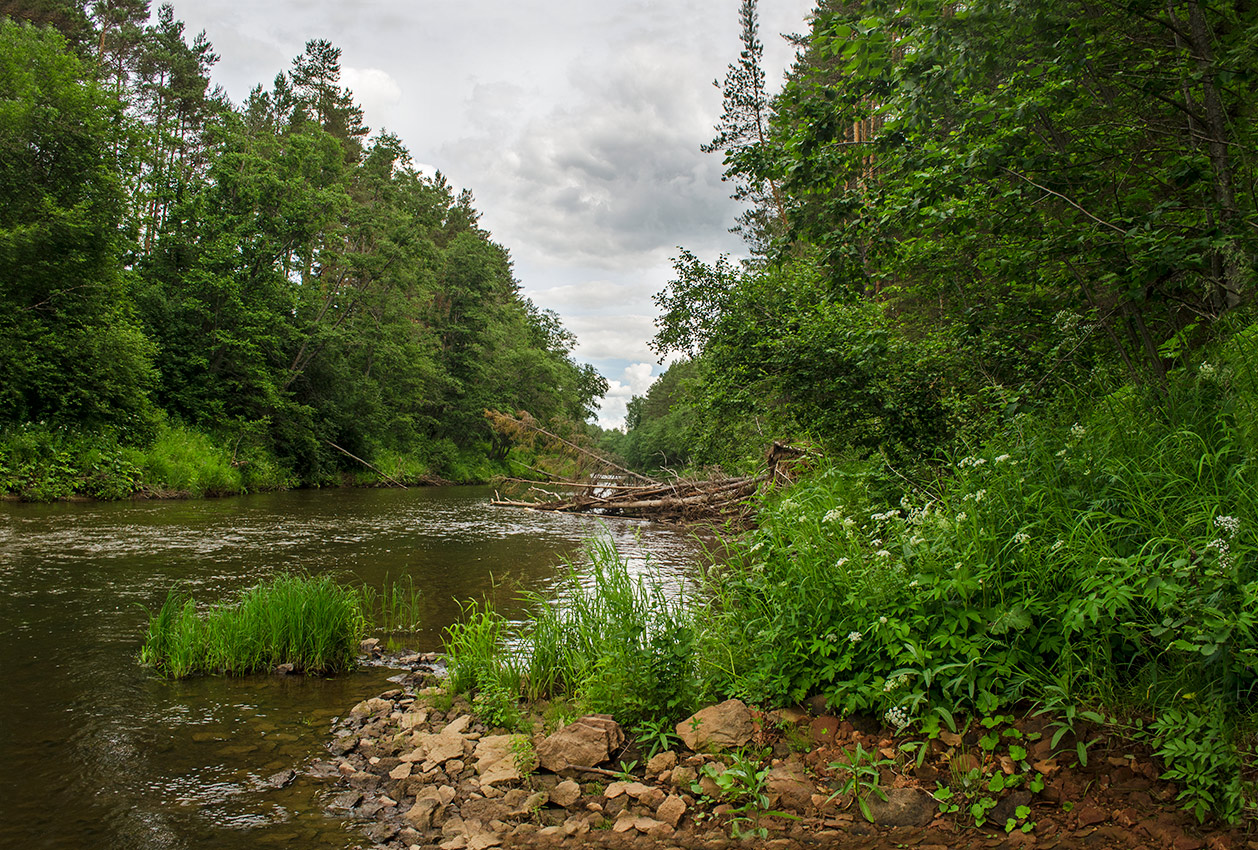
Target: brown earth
416	769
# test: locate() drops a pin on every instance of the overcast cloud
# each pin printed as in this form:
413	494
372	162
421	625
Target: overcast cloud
576	125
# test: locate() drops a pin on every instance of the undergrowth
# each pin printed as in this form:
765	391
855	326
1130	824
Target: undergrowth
617	643
1103	559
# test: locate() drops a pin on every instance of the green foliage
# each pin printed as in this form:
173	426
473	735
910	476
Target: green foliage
1069	561
70	349
863	769
265	274
1198	746
310	622
616	644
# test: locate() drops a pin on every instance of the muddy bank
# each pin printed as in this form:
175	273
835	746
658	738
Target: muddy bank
416	768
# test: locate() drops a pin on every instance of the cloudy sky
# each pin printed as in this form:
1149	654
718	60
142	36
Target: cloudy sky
576	125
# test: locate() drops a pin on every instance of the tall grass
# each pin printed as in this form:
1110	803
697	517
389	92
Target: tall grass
614	642
311	622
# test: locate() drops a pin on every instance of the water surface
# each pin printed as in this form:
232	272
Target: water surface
97	752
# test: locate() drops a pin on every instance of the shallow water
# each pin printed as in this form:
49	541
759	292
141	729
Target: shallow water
97	752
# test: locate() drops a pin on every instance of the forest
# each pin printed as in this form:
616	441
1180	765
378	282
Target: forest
1000	286
200	297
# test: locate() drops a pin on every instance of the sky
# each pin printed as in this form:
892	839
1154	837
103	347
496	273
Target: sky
575	124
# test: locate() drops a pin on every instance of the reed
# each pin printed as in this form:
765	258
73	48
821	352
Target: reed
310	622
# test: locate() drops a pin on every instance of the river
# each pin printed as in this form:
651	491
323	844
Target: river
98	752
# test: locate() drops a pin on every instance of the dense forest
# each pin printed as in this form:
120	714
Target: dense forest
1001	287
200	296
957	212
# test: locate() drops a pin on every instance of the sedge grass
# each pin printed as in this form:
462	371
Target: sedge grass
310	622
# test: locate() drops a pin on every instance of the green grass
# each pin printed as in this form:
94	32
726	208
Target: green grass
616	643
311	622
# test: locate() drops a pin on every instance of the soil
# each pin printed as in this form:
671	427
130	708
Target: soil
1115	800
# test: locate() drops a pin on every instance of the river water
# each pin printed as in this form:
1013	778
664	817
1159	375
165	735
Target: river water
98	752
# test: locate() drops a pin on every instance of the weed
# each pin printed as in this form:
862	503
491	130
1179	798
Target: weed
864	775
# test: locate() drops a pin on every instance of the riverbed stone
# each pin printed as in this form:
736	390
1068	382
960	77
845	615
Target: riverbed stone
586	742
495	760
565	794
726	725
368	707
789	787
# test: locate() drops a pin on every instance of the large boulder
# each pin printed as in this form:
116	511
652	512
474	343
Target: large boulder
726	725
586	742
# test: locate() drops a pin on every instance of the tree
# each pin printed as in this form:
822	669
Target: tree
744	136
70	349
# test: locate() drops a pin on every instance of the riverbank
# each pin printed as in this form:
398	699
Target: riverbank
42	463
417	768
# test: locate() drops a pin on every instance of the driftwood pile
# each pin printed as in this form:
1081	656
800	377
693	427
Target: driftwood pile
606	489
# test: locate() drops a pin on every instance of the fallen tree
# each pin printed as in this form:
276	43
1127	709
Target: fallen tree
608	489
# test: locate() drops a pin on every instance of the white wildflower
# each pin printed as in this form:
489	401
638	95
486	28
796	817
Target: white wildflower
1229	524
840	562
1078	431
1021	538
882	620
1206	371
833	515
883	553
1001	458
1060	543
897	717
962	517
854	637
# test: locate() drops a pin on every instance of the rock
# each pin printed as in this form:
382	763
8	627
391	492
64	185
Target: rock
789	787
585	742
421	814
1090	815
495	762
683	777
441	747
727	725
368	707
671	810
661	762
565	794
903	807
346	800
822	730
370	646
1007	807
402	771
411	719
484	810
652	827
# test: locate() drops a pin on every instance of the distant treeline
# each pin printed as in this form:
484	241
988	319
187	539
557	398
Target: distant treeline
269	274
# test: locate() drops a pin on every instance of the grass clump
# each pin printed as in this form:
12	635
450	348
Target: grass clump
311	622
615	643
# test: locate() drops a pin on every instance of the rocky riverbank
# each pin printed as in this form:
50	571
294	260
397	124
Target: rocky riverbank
417	769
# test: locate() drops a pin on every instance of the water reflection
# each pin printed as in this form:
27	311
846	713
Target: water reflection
100	753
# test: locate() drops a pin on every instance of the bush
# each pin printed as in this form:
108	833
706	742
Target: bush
1110	560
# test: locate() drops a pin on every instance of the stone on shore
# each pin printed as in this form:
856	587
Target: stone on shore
726	725
586	742
495	761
